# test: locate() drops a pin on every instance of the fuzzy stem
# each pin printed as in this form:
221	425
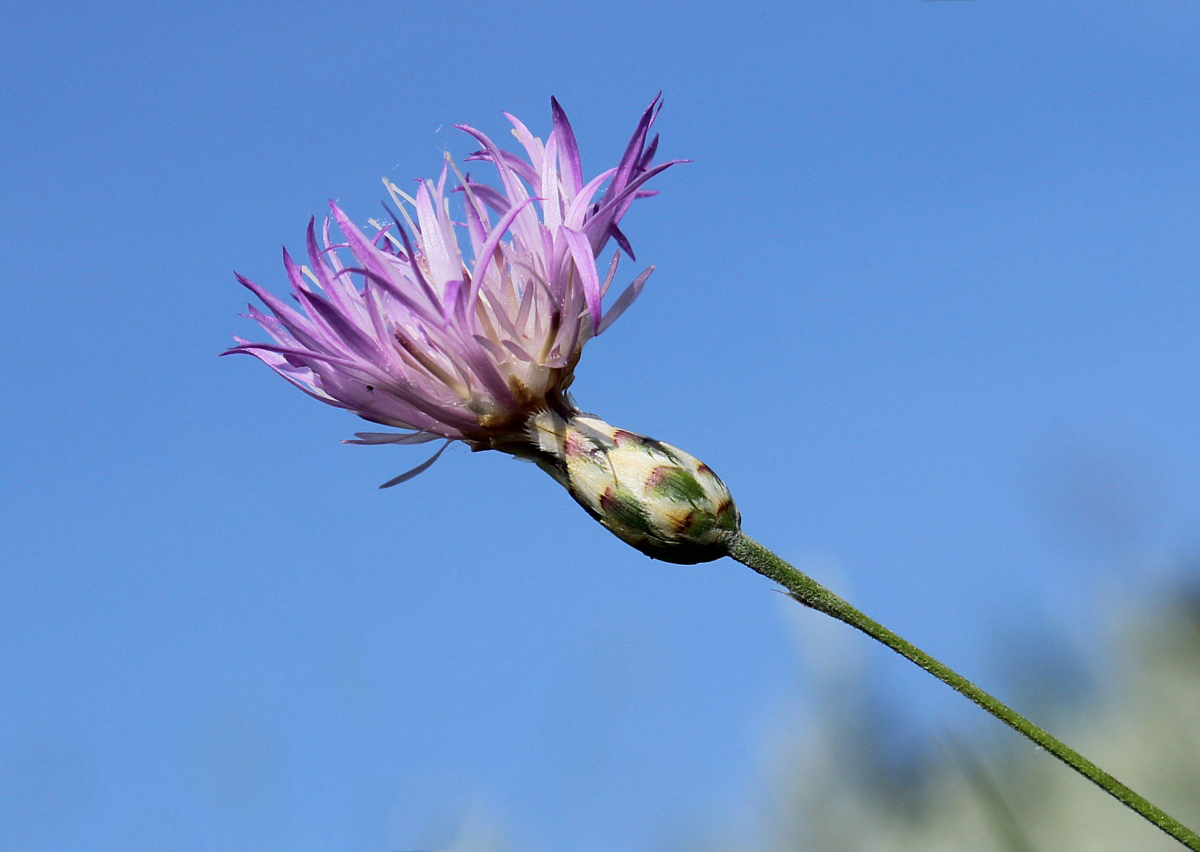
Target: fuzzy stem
812	594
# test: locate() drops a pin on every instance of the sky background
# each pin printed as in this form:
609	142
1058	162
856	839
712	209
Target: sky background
927	300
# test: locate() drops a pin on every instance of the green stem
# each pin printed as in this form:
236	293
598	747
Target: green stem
812	594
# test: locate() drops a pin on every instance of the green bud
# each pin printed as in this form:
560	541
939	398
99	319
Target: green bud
666	503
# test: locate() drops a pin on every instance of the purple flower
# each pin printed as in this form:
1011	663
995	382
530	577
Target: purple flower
405	331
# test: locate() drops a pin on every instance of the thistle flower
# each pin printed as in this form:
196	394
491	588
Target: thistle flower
406	332
484	352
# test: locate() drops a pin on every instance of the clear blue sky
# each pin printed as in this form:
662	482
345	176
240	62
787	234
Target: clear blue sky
928	299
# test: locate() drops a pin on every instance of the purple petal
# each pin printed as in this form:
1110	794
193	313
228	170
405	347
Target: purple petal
373	438
418	470
585	265
624	300
573	173
484	259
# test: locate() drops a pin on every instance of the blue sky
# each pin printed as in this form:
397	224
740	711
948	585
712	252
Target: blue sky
926	299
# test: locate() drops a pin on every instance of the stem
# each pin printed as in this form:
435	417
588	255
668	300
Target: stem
812	594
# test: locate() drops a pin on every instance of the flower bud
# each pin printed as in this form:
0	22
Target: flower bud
666	503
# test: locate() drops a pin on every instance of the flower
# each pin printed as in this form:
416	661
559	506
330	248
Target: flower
405	332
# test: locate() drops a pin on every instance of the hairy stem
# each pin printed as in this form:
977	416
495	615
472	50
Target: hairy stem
812	594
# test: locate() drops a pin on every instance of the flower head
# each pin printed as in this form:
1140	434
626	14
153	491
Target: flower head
462	331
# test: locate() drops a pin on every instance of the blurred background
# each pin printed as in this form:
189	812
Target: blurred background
927	299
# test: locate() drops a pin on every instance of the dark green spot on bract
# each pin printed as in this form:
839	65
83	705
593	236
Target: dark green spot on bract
676	484
727	516
663	449
626	439
697	524
620	510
